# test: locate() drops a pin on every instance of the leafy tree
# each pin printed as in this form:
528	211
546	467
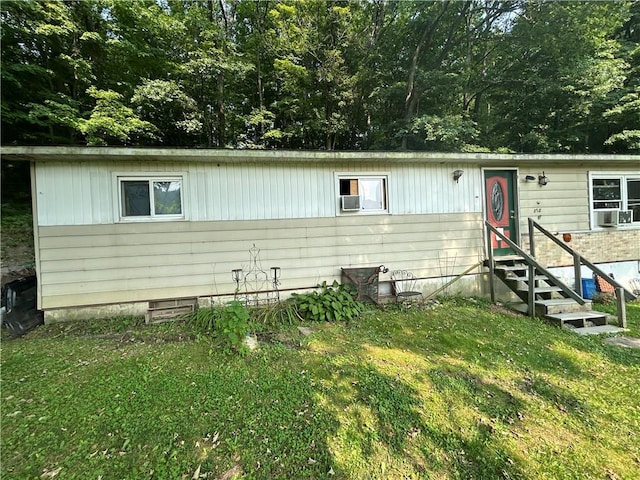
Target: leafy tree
174	114
111	122
313	85
48	49
143	41
534	76
555	75
447	133
623	115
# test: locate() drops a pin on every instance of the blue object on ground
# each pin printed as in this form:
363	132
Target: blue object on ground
588	288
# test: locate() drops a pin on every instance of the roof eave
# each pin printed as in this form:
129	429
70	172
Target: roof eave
91	154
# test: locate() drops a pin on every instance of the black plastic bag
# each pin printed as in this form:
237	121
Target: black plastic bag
19	300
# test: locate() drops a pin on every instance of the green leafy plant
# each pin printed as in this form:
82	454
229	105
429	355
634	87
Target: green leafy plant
332	303
233	323
230	322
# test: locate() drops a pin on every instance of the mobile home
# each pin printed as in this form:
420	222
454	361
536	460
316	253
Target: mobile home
118	228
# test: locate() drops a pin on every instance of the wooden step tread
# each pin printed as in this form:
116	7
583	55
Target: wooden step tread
577	319
512	268
576	315
555	306
507	258
558	302
525	278
549	289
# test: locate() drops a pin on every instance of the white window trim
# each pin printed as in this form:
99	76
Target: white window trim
623	177
358	175
118	177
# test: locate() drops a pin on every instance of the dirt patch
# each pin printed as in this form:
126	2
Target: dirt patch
284	339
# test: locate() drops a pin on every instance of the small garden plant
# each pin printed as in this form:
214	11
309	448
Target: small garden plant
331	303
275	315
234	323
231	322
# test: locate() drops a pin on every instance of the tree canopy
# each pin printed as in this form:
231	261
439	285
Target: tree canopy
476	75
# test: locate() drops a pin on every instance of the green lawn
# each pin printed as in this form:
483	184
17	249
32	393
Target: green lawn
462	390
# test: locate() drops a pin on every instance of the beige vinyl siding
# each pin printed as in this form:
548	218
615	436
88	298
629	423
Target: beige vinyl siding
562	204
86	193
91	265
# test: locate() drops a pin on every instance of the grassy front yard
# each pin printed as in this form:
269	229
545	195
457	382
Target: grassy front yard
462	390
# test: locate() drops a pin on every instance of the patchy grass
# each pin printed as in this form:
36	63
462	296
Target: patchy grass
611	307
459	391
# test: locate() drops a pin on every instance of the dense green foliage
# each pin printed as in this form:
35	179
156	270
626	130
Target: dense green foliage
460	390
234	322
476	75
330	303
229	322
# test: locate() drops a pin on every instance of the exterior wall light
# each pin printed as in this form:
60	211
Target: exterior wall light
543	180
457	174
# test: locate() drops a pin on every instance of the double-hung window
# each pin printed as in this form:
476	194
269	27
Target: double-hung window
363	193
612	192
150	198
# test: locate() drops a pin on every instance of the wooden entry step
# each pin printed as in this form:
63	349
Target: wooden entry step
578	319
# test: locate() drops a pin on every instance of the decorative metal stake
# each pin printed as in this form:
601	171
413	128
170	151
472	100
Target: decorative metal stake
255	282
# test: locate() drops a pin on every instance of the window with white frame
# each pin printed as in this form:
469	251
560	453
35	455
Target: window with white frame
612	192
150	198
363	193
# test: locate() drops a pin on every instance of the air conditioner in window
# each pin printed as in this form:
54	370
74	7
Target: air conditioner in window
625	216
608	218
350	203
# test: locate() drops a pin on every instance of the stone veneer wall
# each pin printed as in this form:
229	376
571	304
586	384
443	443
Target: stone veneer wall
597	247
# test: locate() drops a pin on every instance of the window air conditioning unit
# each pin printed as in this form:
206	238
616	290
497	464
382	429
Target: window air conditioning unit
625	216
608	218
350	203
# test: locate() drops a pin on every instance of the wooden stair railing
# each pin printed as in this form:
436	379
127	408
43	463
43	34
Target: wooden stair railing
533	266
578	260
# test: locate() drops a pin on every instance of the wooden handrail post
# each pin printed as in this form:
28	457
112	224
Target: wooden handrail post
492	287
577	274
532	246
532	291
622	308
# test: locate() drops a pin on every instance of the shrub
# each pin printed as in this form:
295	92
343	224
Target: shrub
275	315
234	323
331	303
231	322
